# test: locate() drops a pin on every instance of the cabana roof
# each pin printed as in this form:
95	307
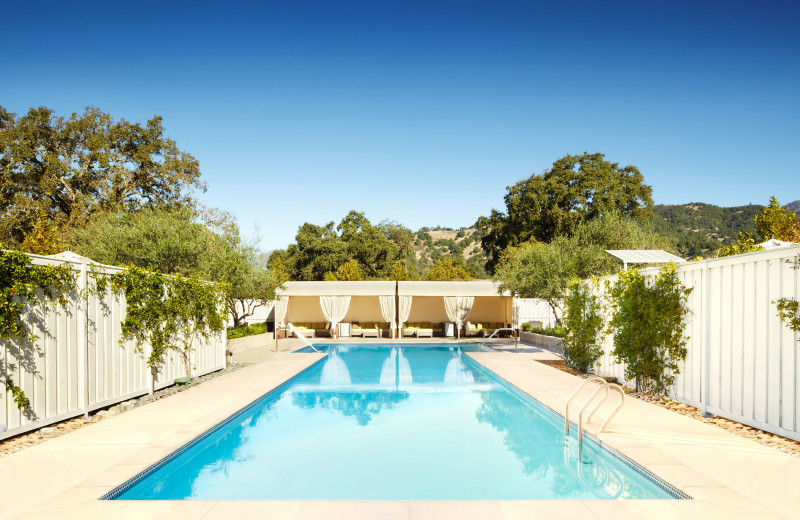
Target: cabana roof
371	288
471	288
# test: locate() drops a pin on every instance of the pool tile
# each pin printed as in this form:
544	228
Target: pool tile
354	510
546	509
473	510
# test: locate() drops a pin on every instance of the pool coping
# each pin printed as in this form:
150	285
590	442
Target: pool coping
65	476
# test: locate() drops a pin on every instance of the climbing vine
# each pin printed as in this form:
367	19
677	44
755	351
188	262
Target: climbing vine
649	317
789	308
24	284
168	312
584	323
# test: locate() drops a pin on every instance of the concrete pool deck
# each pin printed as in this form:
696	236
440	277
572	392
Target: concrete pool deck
727	475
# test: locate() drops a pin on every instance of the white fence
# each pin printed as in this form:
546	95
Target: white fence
534	309
261	312
77	365
742	362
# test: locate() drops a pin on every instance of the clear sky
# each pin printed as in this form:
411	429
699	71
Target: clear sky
424	111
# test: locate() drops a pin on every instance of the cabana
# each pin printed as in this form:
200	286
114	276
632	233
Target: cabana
337	306
425	305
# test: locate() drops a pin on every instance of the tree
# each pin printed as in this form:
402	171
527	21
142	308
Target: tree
184	242
349	271
745	244
446	269
779	222
68	168
320	250
576	189
543	270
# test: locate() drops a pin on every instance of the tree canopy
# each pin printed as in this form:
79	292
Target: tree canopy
184	242
544	270
321	250
577	188
62	170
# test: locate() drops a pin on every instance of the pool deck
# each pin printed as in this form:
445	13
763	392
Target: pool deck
727	475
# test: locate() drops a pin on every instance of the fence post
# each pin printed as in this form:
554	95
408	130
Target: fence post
706	324
83	332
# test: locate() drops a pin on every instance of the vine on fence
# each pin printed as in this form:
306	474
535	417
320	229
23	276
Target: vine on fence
584	324
649	317
168	312
23	284
789	308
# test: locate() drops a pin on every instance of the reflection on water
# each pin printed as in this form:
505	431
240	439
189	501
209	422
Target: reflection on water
334	372
361	405
389	369
456	372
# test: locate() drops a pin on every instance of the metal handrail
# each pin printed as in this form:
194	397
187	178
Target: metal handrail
500	330
574	394
291	328
606	387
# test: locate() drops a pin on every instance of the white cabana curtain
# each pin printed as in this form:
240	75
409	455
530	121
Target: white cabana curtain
404	310
334	308
388	311
281	306
458	308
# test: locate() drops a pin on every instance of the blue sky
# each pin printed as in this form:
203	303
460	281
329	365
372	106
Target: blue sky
423	112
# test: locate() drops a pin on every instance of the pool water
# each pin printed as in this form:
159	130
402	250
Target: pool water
378	423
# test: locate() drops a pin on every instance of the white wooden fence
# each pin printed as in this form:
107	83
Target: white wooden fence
77	365
742	362
534	309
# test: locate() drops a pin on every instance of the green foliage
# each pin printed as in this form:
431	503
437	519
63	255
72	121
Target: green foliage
401	271
583	321
324	249
349	271
779	222
182	241
577	188
746	244
543	270
69	168
23	284
168	312
698	229
246	330
649	317
447	269
557	331
789	308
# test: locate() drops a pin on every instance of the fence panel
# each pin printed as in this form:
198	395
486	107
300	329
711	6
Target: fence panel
742	362
534	309
77	364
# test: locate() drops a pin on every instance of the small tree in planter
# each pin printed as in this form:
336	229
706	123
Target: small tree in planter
168	312
649	317
584	324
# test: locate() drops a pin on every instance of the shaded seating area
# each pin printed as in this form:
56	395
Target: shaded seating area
429	309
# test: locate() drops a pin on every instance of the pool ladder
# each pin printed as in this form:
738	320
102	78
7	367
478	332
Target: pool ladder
605	386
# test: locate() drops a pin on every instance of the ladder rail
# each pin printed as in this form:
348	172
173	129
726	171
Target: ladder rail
574	394
291	328
511	330
606	387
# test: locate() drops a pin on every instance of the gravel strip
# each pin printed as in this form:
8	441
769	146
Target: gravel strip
26	440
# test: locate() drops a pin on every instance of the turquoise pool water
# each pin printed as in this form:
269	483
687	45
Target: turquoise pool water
378	423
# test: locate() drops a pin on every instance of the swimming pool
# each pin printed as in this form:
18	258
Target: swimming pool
422	422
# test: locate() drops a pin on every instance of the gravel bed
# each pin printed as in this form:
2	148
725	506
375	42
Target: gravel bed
26	440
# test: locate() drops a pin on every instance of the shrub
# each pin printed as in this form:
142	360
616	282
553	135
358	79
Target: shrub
246	330
648	321
583	322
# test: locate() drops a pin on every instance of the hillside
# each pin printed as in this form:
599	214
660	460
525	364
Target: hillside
697	229
431	244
